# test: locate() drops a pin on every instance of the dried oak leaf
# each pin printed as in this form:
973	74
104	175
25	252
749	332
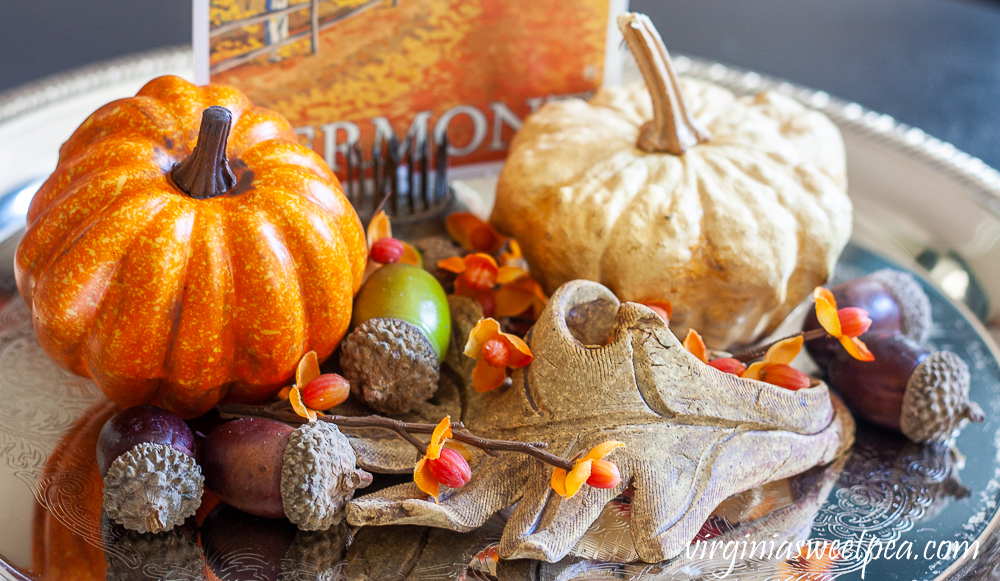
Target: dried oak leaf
602	370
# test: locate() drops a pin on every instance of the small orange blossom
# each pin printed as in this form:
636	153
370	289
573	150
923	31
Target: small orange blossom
696	345
776	361
471	233
478	275
833	322
307	371
568	484
518	294
495	351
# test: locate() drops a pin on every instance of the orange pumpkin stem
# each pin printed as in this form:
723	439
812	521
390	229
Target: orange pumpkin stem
206	172
673	128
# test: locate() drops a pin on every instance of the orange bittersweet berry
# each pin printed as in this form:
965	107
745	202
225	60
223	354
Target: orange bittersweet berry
830	319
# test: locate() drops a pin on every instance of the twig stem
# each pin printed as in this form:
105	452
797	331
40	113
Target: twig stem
405	430
758	352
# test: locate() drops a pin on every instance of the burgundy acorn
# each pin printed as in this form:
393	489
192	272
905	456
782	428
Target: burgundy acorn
146	456
242	461
269	469
895	302
922	393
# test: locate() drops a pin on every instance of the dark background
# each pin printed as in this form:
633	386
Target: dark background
933	64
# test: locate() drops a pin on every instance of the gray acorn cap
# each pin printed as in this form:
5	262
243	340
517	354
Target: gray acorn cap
914	306
390	364
152	488
317	555
319	475
936	401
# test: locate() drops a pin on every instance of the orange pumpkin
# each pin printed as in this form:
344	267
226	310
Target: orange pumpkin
183	296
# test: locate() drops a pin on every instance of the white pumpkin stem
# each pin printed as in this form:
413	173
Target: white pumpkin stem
673	129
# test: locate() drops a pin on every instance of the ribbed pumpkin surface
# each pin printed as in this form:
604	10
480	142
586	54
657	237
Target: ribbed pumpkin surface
178	301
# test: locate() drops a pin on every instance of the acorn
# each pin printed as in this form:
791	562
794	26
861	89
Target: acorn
908	388
269	469
402	329
133	556
243	546
319	476
894	300
146	456
434	249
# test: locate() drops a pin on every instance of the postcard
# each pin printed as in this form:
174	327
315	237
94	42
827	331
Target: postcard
348	72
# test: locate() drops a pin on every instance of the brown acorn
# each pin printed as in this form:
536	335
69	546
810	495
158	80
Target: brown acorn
908	388
267	469
895	302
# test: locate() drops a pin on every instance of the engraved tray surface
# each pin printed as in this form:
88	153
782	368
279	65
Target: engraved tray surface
919	203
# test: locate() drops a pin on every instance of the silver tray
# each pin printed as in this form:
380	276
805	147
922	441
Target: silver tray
920	204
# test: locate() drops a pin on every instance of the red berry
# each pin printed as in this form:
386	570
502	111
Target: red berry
386	250
854	321
325	391
661	312
785	376
450	469
480	272
604	474
728	365
480	278
496	353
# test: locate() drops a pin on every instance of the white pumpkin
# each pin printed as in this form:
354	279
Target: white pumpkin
731	208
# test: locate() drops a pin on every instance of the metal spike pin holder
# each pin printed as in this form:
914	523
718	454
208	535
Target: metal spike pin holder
399	180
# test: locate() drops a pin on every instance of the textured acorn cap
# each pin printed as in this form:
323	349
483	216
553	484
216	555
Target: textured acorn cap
319	475
465	313
316	555
434	249
936	401
133	556
915	318
152	488
390	365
